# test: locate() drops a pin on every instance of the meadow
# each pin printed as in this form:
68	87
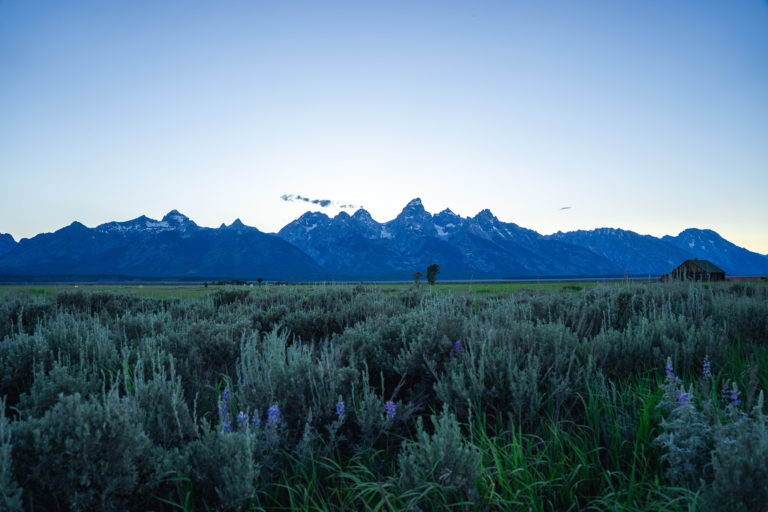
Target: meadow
624	396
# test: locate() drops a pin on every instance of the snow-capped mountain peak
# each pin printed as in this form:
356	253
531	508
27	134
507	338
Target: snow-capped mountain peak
176	219
414	203
413	219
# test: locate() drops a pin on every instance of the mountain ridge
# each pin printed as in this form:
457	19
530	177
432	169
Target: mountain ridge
316	246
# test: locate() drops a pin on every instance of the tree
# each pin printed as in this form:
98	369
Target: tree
416	277
432	272
260	280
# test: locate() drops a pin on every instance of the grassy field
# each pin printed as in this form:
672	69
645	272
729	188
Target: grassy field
577	396
184	291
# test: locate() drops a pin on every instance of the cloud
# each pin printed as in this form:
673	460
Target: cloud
323	203
566	207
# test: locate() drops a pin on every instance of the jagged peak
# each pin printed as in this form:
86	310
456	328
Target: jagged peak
176	217
312	216
237	225
485	214
414	208
342	216
362	213
74	226
414	203
448	212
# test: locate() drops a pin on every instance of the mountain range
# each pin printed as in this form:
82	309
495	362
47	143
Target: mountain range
316	246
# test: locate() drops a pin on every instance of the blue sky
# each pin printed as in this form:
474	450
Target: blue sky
650	116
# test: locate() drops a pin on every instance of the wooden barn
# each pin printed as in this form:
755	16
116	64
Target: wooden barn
698	270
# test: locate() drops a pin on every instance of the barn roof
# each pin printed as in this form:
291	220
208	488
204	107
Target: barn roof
706	266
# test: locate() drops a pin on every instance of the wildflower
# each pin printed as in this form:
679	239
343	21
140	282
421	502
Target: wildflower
273	415
456	350
706	370
732	395
255	422
668	373
340	408
242	421
683	398
224	402
224	411
389	408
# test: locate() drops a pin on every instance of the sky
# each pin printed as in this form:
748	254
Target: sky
650	116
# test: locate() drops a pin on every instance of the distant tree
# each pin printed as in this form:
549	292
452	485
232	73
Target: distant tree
260	280
432	272
205	284
416	277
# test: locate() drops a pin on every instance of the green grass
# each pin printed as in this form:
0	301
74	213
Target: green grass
193	291
153	291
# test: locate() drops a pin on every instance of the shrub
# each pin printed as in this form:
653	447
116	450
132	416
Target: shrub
158	403
85	454
740	463
10	492
222	469
441	458
686	438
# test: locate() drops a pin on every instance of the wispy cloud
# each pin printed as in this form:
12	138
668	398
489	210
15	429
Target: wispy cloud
566	207
323	203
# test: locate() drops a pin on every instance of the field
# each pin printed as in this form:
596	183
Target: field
187	291
482	397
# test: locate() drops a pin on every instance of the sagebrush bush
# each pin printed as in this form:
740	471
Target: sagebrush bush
713	446
686	438
740	462
222	469
10	492
157	399
441	458
85	454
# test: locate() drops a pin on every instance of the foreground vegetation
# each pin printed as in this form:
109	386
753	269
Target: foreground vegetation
614	397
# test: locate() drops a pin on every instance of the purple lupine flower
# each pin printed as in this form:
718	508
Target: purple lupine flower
340	408
255	422
456	350
732	395
242	421
683	398
668	373
706	370
389	409
226	426
273	415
